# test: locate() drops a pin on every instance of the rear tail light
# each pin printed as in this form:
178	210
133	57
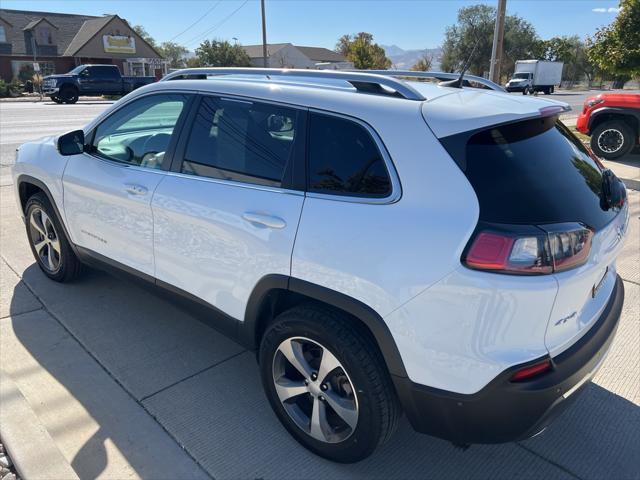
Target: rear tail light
529	250
531	371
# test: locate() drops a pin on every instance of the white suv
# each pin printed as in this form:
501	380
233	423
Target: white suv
385	245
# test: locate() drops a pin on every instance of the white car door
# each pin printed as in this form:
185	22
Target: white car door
227	214
108	189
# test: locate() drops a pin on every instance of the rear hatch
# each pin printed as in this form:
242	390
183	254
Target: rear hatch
532	175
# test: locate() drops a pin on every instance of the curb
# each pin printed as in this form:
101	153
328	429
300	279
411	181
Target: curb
46	99
26	440
631	184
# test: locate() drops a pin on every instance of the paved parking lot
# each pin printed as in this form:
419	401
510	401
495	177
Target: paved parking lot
128	385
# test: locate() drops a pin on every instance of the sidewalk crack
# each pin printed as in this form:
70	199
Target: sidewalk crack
555	464
146	397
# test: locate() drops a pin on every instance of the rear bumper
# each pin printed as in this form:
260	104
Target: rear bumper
506	411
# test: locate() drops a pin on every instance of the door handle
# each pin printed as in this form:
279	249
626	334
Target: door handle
135	189
264	220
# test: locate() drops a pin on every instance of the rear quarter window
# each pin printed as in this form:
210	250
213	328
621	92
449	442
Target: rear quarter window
344	159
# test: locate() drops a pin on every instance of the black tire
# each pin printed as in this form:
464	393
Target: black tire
524	91
69	94
378	409
68	266
56	99
605	138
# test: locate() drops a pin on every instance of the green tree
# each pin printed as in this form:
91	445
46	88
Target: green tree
615	49
570	50
173	52
474	28
363	52
140	30
221	53
424	63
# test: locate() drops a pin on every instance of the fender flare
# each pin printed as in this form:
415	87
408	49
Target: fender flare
627	112
28	179
369	317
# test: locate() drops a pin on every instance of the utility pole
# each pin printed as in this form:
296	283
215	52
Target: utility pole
264	35
498	39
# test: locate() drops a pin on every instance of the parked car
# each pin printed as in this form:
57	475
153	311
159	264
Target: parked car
613	122
90	80
385	246
532	76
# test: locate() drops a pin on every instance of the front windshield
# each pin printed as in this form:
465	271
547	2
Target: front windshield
77	70
521	75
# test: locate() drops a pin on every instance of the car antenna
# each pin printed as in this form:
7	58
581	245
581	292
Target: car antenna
457	82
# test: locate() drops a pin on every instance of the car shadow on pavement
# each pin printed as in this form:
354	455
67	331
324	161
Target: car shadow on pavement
220	415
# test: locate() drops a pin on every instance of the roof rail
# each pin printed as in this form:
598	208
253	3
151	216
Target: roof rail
440	76
362	80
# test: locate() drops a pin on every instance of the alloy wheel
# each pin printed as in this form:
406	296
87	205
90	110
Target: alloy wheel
315	390
45	239
610	140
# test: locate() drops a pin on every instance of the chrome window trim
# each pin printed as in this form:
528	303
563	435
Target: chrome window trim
117	163
396	187
233	183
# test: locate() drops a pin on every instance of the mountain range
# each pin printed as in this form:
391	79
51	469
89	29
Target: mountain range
405	59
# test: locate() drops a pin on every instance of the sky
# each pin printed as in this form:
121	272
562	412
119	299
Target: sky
409	24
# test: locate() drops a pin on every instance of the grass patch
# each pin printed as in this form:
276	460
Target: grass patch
583	138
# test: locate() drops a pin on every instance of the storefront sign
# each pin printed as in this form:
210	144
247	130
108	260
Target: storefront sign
119	44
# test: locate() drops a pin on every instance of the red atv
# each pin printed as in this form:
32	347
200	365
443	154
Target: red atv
613	122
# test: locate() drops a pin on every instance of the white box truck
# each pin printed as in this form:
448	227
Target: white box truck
535	76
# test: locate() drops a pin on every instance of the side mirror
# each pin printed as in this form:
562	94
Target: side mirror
71	143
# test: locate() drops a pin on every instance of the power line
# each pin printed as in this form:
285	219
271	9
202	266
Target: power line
211	30
197	21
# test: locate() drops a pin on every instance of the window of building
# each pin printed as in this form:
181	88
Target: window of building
44	35
3	34
243	141
344	159
140	133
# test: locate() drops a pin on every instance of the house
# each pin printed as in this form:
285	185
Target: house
58	42
287	55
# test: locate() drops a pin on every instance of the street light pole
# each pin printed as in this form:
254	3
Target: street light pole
498	38
264	35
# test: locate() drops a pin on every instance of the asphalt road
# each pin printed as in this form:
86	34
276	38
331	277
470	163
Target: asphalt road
130	386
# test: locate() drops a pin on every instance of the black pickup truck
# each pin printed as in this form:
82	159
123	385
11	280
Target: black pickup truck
90	80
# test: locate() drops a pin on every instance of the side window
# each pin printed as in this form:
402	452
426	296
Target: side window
139	133
344	159
243	141
106	73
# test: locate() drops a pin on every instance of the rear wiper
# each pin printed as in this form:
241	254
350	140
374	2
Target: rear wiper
613	193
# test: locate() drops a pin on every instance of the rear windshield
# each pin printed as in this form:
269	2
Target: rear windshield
531	172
